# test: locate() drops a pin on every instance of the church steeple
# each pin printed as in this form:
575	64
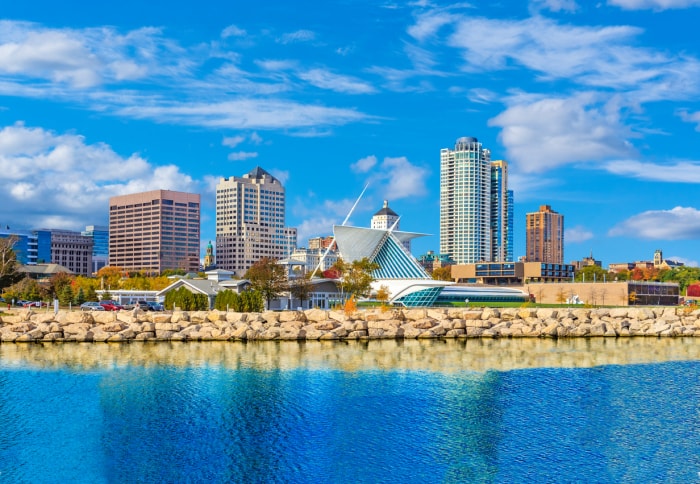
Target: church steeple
209	256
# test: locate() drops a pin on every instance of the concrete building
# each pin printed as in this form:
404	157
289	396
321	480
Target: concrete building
100	245
544	236
323	243
627	293
154	231
250	221
312	257
511	273
501	213
465	201
72	250
586	262
386	219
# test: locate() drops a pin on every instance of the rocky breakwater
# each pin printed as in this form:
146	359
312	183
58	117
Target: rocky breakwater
315	324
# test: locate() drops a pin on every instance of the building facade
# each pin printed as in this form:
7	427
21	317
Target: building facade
155	231
100	245
324	259
250	221
476	206
30	246
501	213
72	250
544	238
511	273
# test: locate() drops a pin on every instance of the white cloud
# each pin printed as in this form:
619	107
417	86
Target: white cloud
678	172
325	79
577	234
397	178
554	5
233	141
245	114
255	138
242	155
679	223
690	118
281	175
297	36
232	31
482	96
428	24
653	4
50	178
543	133
588	55
365	164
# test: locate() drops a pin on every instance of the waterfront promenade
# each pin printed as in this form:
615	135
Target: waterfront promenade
123	326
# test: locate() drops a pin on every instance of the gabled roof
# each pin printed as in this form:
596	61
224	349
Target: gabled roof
44	269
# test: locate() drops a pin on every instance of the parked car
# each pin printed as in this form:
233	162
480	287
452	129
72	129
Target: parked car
91	306
143	305
35	304
155	306
110	305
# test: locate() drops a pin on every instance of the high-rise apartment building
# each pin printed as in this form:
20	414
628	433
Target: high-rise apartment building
250	221
155	231
545	236
30	246
465	202
501	214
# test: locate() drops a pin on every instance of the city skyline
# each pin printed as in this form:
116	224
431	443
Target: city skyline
593	107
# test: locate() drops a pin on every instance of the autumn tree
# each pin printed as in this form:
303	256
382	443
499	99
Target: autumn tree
58	283
443	273
267	277
9	267
110	277
356	277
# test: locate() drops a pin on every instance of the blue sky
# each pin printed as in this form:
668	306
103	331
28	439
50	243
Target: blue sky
593	104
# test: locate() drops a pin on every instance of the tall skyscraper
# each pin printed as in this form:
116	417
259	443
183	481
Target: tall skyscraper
465	202
250	221
155	231
545	236
501	213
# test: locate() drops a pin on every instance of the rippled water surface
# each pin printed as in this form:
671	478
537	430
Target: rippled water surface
599	410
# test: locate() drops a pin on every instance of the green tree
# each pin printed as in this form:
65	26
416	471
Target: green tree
684	276
356	277
268	277
58	282
593	273
185	300
80	297
9	266
65	297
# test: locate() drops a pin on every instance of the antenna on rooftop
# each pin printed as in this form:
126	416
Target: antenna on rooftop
328	249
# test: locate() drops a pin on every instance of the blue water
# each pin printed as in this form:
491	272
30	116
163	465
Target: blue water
259	415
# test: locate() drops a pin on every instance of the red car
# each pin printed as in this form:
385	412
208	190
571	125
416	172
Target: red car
111	305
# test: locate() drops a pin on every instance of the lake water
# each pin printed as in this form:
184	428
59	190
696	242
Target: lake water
521	410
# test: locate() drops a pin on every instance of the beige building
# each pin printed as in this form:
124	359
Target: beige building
155	231
511	273
627	293
72	250
544	236
250	221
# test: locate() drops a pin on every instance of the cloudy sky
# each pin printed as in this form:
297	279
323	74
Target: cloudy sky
593	104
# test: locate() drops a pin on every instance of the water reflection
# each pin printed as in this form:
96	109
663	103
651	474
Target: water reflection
444	356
